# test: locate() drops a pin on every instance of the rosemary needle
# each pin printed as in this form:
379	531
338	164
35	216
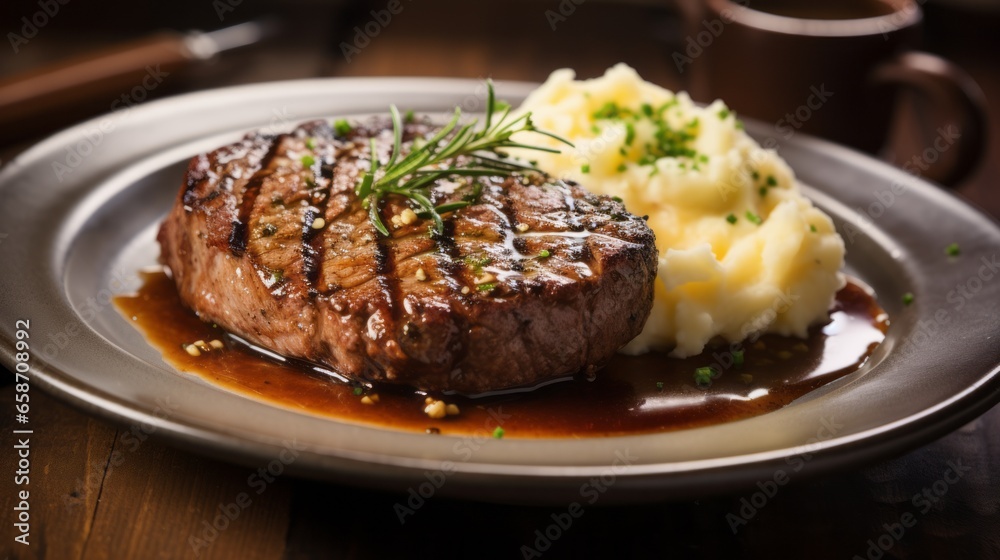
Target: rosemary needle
412	175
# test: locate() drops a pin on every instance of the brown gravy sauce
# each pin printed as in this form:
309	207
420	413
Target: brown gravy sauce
623	398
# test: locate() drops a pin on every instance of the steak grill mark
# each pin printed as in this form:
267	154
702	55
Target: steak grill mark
240	233
542	313
312	240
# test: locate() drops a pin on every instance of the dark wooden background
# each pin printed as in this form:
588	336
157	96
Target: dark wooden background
99	492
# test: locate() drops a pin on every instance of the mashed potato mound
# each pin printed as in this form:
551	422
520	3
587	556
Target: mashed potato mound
741	250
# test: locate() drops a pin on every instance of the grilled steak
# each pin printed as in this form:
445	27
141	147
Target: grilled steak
537	279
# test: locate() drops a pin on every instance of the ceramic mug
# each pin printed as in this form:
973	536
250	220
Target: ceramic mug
831	68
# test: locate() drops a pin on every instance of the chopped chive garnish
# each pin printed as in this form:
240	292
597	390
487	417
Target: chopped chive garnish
907	298
771	181
585	168
617	199
763	191
623	151
498	433
487	287
953	250
544	254
659	385
737	358
731	218
739	125
703	376
755	175
622	167
308	161
311	143
723	113
754	218
609	110
812	228
342	127
666	141
358	391
703	158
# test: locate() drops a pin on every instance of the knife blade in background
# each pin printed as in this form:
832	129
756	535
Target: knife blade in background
42	99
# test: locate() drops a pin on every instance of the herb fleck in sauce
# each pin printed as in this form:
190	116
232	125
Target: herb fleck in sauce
631	395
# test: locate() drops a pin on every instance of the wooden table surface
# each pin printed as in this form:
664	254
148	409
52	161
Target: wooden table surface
100	490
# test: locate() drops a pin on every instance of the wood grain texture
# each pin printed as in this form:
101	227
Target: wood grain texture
95	494
69	456
161	503
101	492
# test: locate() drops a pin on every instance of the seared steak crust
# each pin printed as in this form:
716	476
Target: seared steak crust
537	279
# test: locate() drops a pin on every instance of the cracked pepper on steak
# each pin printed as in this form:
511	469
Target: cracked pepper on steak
537	279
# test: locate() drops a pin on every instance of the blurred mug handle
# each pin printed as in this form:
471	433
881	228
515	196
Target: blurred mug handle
950	87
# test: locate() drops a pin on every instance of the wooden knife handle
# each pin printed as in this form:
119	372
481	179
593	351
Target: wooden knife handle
97	82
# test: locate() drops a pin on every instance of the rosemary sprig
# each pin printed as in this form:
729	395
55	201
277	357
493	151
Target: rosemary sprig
428	161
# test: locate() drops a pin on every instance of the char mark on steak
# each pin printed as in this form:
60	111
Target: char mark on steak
536	279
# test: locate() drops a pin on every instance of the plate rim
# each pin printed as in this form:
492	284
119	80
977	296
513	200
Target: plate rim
943	417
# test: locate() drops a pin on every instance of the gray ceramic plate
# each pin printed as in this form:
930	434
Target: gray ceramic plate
80	210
